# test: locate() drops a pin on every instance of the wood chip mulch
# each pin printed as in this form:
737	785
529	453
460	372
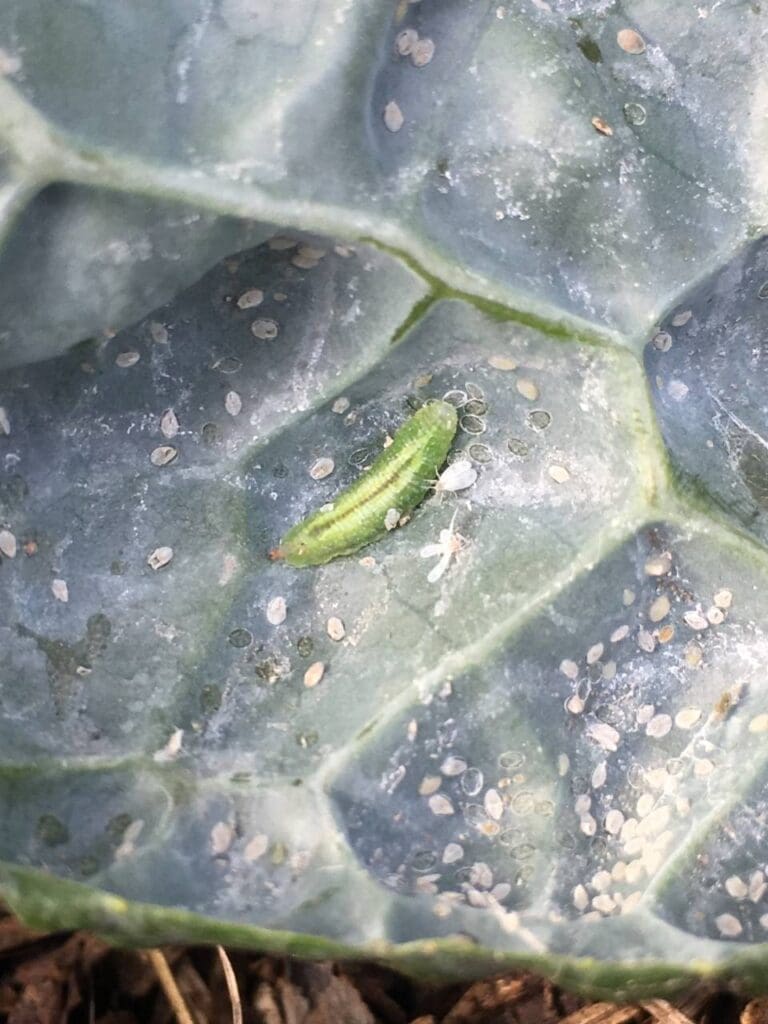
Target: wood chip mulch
75	978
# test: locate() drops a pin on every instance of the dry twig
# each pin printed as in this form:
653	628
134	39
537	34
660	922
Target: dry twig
169	986
232	987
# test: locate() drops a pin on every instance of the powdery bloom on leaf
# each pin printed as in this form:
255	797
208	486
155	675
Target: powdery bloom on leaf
448	545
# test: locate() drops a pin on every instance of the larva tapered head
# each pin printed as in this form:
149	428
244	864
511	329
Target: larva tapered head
296	552
442	414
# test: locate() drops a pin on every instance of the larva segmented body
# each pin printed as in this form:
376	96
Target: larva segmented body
397	480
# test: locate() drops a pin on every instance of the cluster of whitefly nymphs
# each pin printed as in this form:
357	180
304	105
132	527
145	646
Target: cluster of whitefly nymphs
606	754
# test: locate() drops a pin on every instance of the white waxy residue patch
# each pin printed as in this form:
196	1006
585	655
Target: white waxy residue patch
256	847
405	41
729	926
527	389
393	117
158	333
304	259
440	804
321	468
686	718
453	765
587	825
253	297
715	615
228	569
595	653
736	887
265	329
127	359
334	627
391	518
276	611
644	805
646	641
659	565
494	805
481	875
604	735
169	424
429	785
233	403
580	898
644	714
582	803
677	390
632	42
614	820
8	545
681	319
601	125
502	362
659	608
693	655
163	455
172	748
695	620
280	243
452	853
569	668
60	590
757	886
160	557
222	835
10	63
127	845
604	903
658	726
559	474
314	674
601	881
422	52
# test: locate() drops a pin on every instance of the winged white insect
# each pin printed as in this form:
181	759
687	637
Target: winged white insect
448	545
456	477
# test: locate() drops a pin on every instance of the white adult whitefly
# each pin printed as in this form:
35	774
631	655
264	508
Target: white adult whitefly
449	544
456	477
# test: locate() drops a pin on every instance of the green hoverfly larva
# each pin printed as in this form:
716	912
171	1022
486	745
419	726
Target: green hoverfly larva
396	482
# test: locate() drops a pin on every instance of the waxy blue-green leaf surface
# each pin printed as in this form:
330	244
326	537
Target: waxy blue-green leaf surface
548	213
